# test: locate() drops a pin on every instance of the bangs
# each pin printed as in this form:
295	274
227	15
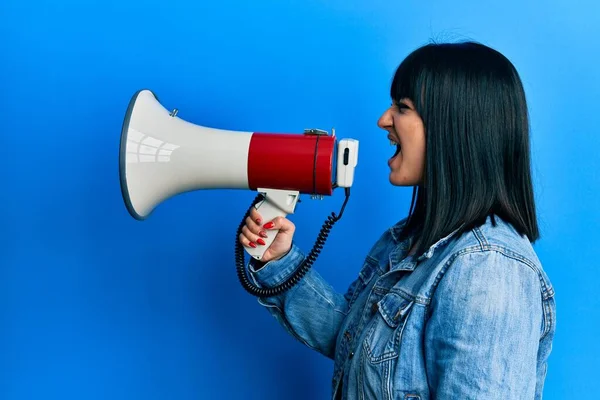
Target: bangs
408	77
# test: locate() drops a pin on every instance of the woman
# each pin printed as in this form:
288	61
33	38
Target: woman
452	301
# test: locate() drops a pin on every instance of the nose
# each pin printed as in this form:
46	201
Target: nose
385	121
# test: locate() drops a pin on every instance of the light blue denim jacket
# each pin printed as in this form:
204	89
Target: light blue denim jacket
471	318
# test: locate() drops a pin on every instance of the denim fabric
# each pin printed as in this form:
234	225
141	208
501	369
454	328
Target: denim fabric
471	318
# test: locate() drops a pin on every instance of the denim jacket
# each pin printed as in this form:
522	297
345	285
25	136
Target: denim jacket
471	318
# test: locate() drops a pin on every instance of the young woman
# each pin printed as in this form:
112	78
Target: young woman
451	302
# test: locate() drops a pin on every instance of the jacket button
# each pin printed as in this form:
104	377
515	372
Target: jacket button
351	355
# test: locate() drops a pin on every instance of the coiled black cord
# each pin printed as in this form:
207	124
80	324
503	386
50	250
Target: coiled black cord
302	269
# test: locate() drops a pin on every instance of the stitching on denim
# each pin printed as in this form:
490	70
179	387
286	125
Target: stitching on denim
396	339
361	394
544	323
388	378
442	271
480	237
262	303
546	292
548	319
363	282
382	357
379	290
288	326
400	292
276	276
301	259
293	332
331	303
373	265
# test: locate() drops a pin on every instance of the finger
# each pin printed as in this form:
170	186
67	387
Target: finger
280	223
255	228
253	238
255	215
245	242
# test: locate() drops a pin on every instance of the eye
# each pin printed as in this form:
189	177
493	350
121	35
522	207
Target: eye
402	106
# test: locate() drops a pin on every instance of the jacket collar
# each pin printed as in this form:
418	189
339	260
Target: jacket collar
399	260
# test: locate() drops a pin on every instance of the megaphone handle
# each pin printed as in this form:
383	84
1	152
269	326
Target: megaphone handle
273	205
268	212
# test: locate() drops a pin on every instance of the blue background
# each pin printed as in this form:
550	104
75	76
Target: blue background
96	305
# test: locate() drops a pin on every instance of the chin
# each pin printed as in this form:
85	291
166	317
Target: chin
403	181
397	182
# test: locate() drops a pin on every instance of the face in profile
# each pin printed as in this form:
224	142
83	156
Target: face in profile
406	131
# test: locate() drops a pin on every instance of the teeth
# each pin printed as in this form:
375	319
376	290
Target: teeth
392	143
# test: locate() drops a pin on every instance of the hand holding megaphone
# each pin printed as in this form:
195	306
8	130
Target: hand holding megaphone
257	230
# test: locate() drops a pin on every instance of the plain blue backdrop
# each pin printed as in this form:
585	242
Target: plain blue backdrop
96	305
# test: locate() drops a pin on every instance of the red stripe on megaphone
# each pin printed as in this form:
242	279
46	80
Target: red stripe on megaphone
287	161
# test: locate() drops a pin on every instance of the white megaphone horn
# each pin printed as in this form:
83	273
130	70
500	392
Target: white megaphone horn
162	155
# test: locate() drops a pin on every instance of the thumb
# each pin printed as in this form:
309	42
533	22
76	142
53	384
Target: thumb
284	225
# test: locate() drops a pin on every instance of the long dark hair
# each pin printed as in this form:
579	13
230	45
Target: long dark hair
473	106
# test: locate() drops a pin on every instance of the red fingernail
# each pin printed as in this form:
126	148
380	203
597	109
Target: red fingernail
258	221
252	245
263	234
268	225
260	241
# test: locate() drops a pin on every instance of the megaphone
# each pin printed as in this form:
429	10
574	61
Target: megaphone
162	155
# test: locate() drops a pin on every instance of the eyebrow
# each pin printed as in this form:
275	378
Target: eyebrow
404	103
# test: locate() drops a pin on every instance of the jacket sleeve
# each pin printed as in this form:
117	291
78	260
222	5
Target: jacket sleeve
311	311
484	329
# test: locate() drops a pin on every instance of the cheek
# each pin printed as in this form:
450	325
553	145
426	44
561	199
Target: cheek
413	138
412	163
418	157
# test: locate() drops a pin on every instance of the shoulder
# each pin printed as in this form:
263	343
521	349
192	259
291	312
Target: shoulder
493	254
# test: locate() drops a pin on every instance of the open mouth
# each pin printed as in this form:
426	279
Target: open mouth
397	145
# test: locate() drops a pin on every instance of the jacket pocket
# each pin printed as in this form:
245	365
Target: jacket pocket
382	341
368	271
